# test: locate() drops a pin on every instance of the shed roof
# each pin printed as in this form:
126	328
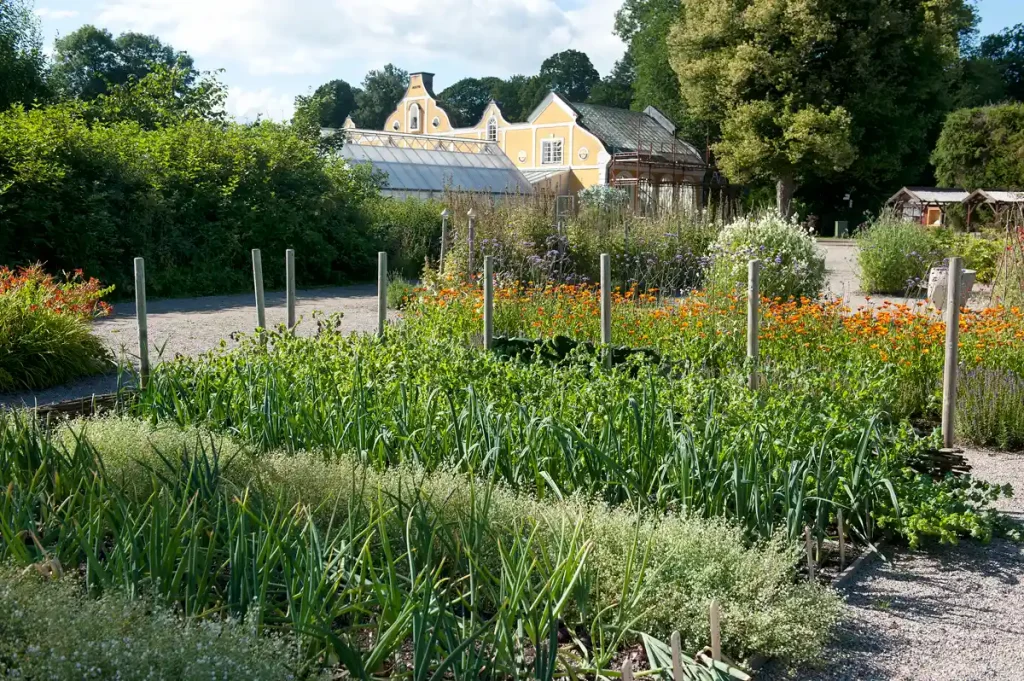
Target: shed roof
435	170
928	195
623	130
995	196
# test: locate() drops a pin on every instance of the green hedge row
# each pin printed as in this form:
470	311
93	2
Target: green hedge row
192	198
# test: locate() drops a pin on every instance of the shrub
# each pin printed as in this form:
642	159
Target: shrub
894	255
1009	278
980	251
51	630
980	148
45	338
192	198
990	408
408	229
399	291
792	265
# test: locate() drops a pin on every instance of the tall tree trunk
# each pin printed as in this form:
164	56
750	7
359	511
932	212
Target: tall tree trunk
785	187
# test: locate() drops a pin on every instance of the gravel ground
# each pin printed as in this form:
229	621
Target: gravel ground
949	613
190	326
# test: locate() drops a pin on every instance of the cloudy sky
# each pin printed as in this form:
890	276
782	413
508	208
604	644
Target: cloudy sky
272	50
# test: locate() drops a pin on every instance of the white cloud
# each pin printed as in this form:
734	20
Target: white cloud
307	40
56	14
248	105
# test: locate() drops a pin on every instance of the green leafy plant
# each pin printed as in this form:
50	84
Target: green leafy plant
792	265
45	336
895	255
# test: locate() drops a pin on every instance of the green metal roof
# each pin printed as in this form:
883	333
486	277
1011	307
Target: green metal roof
622	130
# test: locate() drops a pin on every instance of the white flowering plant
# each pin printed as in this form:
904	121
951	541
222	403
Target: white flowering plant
792	264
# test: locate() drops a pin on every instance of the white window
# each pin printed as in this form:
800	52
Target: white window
492	130
551	152
414	117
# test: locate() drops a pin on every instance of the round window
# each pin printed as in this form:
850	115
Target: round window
522	157
584	153
436	122
396	125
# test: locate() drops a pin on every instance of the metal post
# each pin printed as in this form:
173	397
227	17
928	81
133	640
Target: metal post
257	278
472	239
716	631
488	301
753	321
140	318
606	307
444	240
382	292
289	275
954	287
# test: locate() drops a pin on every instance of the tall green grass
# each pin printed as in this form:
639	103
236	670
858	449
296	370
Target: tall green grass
363	568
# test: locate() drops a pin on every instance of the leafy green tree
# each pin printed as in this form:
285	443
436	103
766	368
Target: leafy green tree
532	93
801	88
1006	51
509	96
22	62
328	106
87	62
571	74
167	95
465	100
644	25
382	90
981	148
616	89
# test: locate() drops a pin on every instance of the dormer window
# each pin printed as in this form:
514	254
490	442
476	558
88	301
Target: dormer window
414	117
492	130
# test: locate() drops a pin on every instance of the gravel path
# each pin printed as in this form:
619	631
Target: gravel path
949	613
190	326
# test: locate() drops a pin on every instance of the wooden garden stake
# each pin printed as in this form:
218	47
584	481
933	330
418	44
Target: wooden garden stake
382	292
606	307
488	301
753	321
716	632
140	318
954	286
809	546
472	239
842	540
289	276
257	279
677	657
627	670
444	239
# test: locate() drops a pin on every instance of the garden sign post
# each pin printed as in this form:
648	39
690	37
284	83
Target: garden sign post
444	240
488	301
257	280
382	292
954	287
472	237
606	308
753	318
289	276
140	318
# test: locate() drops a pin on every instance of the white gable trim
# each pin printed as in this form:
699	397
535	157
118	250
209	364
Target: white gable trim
557	99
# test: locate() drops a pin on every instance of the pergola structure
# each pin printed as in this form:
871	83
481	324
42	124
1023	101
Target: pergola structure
999	201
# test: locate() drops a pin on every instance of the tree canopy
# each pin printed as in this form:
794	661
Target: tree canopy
326	107
570	73
87	62
465	100
22	61
802	88
1005	50
616	89
981	148
644	26
382	90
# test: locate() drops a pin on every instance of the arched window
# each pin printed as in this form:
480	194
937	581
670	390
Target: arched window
492	130
414	117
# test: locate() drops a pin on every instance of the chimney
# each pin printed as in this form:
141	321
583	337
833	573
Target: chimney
424	80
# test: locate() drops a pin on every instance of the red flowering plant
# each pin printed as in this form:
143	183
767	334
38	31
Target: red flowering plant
74	295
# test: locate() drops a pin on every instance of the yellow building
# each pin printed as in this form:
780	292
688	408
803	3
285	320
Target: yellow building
565	147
